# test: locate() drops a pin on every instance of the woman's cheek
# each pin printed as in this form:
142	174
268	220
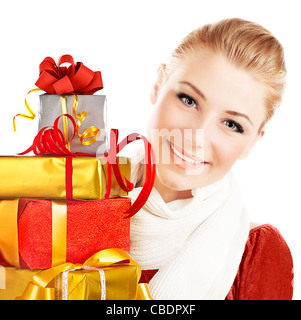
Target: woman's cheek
227	154
167	118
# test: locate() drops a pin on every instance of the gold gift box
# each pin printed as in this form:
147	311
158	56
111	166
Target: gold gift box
13	281
120	284
109	274
45	177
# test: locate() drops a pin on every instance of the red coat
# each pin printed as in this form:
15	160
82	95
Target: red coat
265	271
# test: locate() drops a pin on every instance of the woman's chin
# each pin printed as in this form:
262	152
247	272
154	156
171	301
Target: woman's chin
175	180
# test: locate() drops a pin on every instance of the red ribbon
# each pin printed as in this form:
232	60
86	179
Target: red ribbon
111	156
50	140
76	79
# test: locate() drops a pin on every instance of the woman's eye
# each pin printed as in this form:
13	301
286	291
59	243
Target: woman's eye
234	126
187	100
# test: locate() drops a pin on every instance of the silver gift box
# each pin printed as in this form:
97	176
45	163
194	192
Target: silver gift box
94	105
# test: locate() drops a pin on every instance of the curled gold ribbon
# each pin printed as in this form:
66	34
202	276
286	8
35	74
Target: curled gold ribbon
32	114
93	132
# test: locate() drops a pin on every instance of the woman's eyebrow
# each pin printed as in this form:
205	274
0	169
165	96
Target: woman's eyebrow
201	94
235	113
194	88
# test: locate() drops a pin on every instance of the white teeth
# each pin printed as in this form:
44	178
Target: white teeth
179	154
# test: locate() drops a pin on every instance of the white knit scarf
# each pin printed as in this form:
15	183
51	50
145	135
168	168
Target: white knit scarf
197	244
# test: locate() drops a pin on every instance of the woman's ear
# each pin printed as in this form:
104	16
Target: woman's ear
247	151
156	88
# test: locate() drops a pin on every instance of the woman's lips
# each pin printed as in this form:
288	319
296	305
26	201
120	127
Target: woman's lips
184	159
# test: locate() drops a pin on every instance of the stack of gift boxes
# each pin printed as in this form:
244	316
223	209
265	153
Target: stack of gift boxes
64	222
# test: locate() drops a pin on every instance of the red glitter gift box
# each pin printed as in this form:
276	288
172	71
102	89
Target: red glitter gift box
76	231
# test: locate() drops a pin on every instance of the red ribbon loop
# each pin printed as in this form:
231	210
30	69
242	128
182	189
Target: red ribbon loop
50	140
111	156
75	79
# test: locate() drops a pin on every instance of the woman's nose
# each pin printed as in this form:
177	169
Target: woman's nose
203	131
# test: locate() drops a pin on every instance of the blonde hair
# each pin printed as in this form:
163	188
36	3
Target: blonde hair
245	44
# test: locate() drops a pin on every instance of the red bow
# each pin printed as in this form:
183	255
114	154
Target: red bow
76	79
51	140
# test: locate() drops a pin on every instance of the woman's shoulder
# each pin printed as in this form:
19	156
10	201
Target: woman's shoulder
267	236
266	269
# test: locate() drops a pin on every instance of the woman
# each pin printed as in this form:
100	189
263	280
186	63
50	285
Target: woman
212	99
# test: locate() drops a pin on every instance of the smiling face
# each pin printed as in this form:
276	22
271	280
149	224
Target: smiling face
207	115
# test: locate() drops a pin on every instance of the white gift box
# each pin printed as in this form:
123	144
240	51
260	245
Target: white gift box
51	107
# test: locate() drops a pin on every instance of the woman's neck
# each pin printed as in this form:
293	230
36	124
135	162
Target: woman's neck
168	194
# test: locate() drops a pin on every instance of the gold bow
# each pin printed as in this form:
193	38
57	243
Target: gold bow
42	286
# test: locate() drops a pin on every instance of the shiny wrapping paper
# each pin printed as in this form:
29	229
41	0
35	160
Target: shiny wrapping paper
46	177
95	108
13	281
39	234
120	284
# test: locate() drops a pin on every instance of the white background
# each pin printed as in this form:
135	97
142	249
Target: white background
127	40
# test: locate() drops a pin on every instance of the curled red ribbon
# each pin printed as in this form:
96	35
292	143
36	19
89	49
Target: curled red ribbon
150	176
50	140
76	79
